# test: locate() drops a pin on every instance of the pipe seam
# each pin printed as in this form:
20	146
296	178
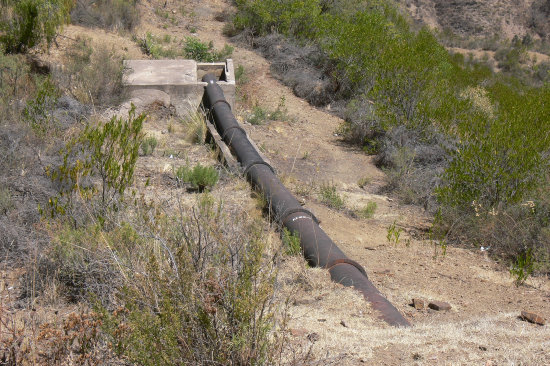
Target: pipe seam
351	262
284	216
257	162
233	128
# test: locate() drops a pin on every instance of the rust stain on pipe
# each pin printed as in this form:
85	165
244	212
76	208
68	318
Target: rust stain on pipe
319	250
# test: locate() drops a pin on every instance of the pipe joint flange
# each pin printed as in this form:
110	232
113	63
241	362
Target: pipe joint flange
219	101
257	162
287	213
336	262
233	128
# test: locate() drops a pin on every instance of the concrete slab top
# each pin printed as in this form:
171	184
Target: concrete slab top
160	72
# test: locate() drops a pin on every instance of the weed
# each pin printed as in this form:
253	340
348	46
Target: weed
367	212
261	115
200	177
364	181
394	233
241	76
331	197
291	241
6	201
523	267
148	145
195	126
94	74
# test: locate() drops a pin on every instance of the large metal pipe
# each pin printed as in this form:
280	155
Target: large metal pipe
319	250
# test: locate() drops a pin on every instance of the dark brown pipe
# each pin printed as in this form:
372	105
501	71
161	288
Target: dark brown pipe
319	250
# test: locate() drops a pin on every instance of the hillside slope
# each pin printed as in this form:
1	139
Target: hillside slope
484	17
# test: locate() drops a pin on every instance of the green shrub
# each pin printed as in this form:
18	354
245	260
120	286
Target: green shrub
523	267
148	145
39	110
192	49
199	51
26	23
261	115
331	197
109	151
200	177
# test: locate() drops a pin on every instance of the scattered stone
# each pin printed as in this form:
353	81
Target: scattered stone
418	304
343	323
313	337
321	320
299	332
483	348
533	318
417	356
439	305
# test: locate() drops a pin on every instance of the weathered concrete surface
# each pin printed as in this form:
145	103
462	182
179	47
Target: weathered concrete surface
180	79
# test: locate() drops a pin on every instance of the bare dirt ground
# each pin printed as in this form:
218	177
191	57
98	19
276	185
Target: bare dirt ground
482	328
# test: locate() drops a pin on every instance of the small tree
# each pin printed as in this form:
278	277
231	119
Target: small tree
26	23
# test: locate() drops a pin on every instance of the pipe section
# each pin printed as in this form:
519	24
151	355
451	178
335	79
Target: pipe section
319	250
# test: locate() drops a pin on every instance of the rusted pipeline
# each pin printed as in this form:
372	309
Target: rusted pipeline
319	250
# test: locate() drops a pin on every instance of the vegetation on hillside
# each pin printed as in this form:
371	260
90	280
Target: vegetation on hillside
463	141
26	23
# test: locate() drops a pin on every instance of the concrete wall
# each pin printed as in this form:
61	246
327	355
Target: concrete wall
180	79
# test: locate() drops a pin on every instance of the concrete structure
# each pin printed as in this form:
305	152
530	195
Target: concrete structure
180	79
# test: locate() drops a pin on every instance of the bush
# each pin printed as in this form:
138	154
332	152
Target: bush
108	14
368	211
26	23
331	197
109	151
192	49
192	289
200	177
148	145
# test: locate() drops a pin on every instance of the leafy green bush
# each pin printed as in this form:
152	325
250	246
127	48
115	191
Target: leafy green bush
200	177
26	23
